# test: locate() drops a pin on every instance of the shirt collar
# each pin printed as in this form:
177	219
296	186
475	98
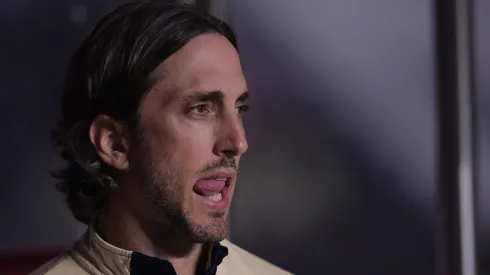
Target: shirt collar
143	264
96	255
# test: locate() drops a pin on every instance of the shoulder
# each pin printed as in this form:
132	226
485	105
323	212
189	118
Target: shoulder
62	264
238	258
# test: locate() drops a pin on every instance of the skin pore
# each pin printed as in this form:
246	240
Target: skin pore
190	130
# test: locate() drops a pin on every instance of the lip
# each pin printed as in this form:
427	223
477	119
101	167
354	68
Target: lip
228	174
223	204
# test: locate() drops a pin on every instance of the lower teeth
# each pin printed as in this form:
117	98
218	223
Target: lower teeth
216	197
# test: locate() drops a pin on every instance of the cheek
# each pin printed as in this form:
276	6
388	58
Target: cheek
186	144
180	162
194	152
195	138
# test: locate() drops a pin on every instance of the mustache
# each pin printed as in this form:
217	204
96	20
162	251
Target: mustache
226	162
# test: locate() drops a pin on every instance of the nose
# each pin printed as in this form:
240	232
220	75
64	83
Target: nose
231	141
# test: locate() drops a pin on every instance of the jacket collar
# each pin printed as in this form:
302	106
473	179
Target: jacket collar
97	256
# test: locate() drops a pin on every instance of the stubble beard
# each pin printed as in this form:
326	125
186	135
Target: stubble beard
161	188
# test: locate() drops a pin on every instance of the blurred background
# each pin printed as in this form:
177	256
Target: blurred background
340	174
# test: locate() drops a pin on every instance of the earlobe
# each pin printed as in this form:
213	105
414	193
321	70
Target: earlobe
107	137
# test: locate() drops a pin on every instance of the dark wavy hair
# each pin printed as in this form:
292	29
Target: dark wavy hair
110	73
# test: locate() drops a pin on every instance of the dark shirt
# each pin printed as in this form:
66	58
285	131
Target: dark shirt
142	264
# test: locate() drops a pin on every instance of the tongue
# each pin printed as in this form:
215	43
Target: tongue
208	187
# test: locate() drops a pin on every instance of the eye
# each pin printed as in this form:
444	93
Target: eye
199	109
241	110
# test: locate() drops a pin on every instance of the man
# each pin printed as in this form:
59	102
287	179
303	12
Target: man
152	134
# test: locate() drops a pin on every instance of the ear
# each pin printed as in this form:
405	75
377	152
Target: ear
110	142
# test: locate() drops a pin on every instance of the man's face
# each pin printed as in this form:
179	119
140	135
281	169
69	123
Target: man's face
192	137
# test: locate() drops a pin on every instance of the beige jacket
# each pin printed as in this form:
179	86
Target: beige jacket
92	255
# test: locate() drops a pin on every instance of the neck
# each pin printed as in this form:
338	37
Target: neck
123	229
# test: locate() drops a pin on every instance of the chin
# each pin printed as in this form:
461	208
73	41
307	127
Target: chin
213	228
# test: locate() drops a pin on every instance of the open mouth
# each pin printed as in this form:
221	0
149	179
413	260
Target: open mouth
213	191
216	197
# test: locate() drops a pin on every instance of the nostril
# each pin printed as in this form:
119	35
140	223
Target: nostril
229	153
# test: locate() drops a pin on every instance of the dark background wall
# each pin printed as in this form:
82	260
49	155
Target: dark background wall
339	178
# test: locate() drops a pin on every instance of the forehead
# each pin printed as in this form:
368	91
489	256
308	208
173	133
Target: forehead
207	62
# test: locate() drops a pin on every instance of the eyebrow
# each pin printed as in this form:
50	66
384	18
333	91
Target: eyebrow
205	96
243	97
213	96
